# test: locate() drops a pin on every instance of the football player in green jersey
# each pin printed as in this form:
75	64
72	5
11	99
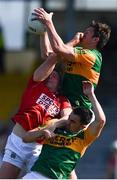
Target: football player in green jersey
61	152
81	62
81	57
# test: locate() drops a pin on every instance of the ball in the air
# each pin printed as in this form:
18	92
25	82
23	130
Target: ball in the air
34	25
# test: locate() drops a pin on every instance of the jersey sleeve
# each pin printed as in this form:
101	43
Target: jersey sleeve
84	56
65	103
89	138
31	82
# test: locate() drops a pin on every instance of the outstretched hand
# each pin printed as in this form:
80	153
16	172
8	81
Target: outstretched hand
88	88
43	16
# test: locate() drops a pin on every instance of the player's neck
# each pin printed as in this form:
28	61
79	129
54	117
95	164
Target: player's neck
53	89
90	46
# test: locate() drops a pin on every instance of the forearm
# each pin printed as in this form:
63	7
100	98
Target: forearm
58	46
62	121
72	43
46	18
32	135
45	69
56	123
56	41
98	111
64	117
73	175
63	50
45	46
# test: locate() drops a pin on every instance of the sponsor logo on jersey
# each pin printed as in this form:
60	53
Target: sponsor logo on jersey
48	104
62	141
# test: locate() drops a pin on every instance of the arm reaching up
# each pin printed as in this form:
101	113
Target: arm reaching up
58	46
45	46
96	126
45	69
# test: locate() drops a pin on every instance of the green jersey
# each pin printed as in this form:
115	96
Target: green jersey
60	154
86	65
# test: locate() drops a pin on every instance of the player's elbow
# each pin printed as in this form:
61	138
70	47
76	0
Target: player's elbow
35	77
102	121
26	139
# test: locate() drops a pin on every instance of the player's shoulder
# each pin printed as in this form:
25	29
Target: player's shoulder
63	98
83	51
93	54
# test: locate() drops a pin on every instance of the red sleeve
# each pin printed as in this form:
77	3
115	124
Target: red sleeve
31	82
65	103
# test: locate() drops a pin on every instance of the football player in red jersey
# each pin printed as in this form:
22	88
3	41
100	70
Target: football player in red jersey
40	103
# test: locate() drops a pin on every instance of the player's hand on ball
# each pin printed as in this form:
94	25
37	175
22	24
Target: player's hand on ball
35	26
43	16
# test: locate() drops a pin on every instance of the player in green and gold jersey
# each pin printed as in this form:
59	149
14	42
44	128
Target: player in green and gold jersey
82	62
85	66
61	152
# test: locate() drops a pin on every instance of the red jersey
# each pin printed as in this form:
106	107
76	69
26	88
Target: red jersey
38	105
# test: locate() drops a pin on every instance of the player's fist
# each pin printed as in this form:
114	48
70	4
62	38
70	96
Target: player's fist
78	36
88	88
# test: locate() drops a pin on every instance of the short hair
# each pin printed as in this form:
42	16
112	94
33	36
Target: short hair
84	114
59	69
102	31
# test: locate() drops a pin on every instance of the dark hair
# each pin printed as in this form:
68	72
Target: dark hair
85	114
102	31
59	69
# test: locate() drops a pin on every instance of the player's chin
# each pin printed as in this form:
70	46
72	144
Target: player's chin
68	125
81	41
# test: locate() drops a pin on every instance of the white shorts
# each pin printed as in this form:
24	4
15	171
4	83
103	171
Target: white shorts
34	175
21	154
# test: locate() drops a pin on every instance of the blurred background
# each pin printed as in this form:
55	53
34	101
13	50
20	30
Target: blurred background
20	55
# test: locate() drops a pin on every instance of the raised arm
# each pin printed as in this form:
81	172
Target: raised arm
46	68
45	46
57	44
96	126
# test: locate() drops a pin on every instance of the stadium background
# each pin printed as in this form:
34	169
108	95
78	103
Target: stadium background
22	55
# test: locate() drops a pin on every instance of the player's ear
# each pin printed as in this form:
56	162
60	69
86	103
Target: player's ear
83	126
96	39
